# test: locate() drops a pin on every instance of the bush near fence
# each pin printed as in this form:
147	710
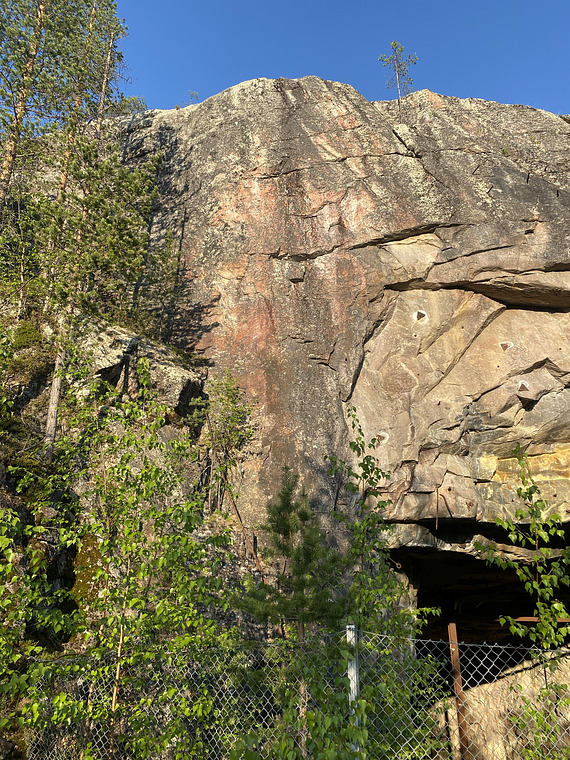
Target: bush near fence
286	700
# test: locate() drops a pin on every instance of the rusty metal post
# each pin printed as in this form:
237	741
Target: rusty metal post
459	694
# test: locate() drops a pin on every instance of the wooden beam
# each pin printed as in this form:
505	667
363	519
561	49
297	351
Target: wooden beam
465	753
535	620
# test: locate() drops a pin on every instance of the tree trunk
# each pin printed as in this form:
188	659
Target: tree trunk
104	84
22	98
53	404
74	120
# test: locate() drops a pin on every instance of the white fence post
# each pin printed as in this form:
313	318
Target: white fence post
352	672
352	669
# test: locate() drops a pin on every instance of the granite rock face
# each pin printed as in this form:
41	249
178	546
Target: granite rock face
411	262
114	352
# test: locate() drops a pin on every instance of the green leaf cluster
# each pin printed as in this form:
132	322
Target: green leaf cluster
309	571
123	499
546	571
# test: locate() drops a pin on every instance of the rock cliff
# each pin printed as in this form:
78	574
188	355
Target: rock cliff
412	262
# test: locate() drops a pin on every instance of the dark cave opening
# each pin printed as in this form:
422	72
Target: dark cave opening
469	592
474	596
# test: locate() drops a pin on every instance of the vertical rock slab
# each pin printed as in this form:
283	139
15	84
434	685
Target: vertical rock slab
413	263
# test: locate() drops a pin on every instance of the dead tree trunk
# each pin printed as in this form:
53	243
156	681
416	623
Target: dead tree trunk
53	405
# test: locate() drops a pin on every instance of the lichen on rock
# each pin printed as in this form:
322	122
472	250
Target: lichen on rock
411	262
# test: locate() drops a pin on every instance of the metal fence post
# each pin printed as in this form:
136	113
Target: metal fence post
352	668
353	672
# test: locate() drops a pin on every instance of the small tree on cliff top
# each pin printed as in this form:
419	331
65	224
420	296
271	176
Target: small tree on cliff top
400	79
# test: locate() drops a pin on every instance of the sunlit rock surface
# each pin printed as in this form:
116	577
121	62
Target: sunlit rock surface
412	262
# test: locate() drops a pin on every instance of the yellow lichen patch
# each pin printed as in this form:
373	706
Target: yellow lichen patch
545	467
551	473
486	467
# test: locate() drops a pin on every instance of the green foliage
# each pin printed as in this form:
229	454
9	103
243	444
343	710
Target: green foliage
83	250
6	357
538	723
308	585
543	573
74	220
546	571
318	714
400	79
154	581
34	609
317	588
229	428
72	53
228	431
147	575
375	593
59	65
318	583
144	515
309	683
99	553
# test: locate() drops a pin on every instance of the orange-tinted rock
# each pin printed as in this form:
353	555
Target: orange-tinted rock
412	263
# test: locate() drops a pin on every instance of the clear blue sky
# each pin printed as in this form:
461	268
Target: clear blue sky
513	51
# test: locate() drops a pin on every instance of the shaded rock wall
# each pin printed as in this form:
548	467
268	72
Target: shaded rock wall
411	262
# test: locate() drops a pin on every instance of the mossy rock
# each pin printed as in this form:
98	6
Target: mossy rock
32	356
32	364
25	335
88	560
13	747
25	465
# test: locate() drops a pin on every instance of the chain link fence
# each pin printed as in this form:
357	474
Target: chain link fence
383	699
